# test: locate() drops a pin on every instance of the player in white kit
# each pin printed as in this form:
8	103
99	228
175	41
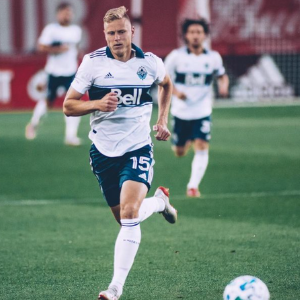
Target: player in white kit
60	41
192	69
118	79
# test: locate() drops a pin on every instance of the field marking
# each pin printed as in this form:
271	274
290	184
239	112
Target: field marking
30	202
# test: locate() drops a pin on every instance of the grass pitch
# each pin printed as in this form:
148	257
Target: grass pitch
57	234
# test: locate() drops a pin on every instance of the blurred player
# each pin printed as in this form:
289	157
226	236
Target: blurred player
60	40
192	69
118	78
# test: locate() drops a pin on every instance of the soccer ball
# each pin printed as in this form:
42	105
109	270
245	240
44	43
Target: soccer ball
246	288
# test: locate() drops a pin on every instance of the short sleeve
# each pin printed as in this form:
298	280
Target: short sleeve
46	36
84	76
219	68
170	63
161	70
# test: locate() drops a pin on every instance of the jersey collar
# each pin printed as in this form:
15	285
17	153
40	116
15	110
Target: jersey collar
138	52
189	52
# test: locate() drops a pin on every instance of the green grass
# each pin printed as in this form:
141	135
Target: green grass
57	234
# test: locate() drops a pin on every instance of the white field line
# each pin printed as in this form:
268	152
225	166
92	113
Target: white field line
286	193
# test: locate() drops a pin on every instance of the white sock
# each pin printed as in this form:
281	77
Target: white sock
149	206
40	110
199	166
126	247
72	124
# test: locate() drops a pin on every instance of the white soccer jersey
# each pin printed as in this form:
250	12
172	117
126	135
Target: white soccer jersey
62	64
193	75
127	128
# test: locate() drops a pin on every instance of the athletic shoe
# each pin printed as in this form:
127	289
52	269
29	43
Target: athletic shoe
194	193
169	213
110	294
75	141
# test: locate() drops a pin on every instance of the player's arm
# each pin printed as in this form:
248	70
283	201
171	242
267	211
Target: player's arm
164	100
171	63
74	106
52	49
178	94
223	84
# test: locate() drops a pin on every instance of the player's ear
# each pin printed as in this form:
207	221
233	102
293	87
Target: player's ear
132	30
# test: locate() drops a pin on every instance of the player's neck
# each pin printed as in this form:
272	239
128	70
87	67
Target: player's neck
196	50
126	56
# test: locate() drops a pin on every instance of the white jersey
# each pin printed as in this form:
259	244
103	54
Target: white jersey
62	64
193	75
127	128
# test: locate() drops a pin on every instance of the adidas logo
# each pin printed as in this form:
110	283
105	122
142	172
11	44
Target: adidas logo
108	75
143	176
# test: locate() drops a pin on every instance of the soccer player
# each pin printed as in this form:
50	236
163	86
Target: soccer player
60	41
192	69
118	78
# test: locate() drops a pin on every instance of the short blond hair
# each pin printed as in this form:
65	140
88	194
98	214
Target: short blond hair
116	14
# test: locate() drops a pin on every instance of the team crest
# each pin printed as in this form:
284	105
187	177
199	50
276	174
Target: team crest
142	72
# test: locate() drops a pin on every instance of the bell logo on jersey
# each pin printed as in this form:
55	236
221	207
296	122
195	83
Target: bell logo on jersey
128	99
195	79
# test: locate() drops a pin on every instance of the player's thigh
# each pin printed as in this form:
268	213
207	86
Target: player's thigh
182	132
52	86
106	171
66	81
202	129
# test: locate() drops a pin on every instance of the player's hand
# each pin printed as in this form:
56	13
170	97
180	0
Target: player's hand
108	103
223	91
181	96
163	132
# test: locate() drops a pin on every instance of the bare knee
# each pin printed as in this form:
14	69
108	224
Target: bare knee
179	151
129	210
201	144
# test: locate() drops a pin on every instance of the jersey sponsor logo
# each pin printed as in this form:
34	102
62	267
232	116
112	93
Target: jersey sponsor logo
128	99
142	72
193	78
127	96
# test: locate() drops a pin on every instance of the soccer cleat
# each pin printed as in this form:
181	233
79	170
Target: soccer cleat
75	141
110	294
169	213
30	132
192	192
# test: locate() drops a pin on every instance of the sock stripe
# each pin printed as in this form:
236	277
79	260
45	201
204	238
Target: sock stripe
130	223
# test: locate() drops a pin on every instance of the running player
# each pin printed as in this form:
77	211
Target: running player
60	41
192	69
118	79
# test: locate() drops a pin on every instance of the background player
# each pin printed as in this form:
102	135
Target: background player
192	69
118	78
60	41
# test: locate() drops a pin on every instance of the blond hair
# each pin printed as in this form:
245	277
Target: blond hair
116	14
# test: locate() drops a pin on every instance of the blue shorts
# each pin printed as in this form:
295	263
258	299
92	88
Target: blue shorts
189	130
54	82
112	172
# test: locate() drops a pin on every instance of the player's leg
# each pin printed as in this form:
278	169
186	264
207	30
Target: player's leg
200	160
181	136
129	237
72	123
159	203
40	109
